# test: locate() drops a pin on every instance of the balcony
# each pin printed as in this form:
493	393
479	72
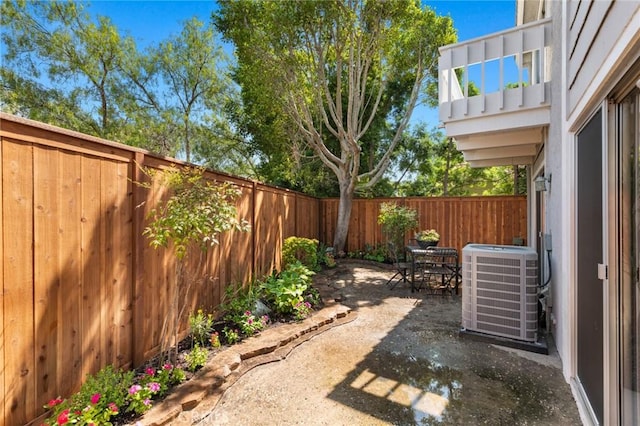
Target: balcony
499	113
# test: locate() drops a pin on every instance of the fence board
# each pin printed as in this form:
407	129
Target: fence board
69	358
2	335
46	271
123	267
17	181
91	240
108	182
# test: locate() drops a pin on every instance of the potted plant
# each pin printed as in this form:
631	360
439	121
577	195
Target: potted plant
427	238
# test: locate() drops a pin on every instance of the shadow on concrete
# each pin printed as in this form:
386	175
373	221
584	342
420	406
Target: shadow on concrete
423	372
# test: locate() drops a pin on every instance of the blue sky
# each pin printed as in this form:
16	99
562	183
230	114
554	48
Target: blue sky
150	21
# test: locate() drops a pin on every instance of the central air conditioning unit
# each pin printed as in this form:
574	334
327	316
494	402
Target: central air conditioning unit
500	291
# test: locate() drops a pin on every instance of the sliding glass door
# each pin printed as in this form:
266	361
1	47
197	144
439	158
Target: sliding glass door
628	135
589	289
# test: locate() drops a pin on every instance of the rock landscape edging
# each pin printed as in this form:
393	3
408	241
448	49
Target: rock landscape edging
193	400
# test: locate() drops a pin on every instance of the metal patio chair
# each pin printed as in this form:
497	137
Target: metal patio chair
402	268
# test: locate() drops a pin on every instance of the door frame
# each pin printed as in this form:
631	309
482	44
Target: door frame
601	107
616	255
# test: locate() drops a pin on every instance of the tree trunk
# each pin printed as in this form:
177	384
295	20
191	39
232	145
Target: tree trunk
344	216
187	144
445	182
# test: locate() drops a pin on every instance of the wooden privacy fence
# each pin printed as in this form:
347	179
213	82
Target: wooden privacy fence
80	287
458	220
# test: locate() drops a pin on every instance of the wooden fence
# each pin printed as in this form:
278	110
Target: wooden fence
80	287
458	220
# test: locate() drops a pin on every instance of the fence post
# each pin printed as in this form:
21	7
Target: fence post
254	190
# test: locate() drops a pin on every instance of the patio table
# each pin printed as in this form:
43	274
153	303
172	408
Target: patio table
439	268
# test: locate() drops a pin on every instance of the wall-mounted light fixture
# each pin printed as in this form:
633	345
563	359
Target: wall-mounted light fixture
542	183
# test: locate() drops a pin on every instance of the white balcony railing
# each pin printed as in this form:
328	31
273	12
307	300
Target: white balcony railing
509	69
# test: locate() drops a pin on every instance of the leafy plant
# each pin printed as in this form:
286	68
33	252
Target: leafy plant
139	397
312	296
166	377
237	301
231	335
428	235
95	412
286	289
325	255
301	310
100	397
200	326
396	221
196	358
197	212
250	325
215	340
300	249
375	253
109	392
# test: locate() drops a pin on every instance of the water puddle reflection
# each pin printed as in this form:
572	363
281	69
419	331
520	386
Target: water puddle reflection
426	388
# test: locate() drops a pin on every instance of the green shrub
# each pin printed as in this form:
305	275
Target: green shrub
110	392
250	325
231	335
165	377
375	253
200	326
325	255
237	301
396	221
196	358
99	398
285	290
300	249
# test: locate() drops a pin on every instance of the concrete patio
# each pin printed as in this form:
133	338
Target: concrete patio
372	356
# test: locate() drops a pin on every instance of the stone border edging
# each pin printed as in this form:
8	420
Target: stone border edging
192	401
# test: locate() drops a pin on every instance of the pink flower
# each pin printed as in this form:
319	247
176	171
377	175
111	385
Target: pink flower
95	398
150	371
154	387
113	407
147	402
134	389
167	366
54	402
248	313
63	417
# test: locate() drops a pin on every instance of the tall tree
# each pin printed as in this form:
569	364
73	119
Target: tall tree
330	66
64	67
80	57
191	64
428	164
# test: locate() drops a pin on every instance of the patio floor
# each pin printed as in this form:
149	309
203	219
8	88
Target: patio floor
378	357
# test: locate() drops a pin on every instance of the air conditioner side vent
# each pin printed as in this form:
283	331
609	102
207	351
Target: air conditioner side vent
499	291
